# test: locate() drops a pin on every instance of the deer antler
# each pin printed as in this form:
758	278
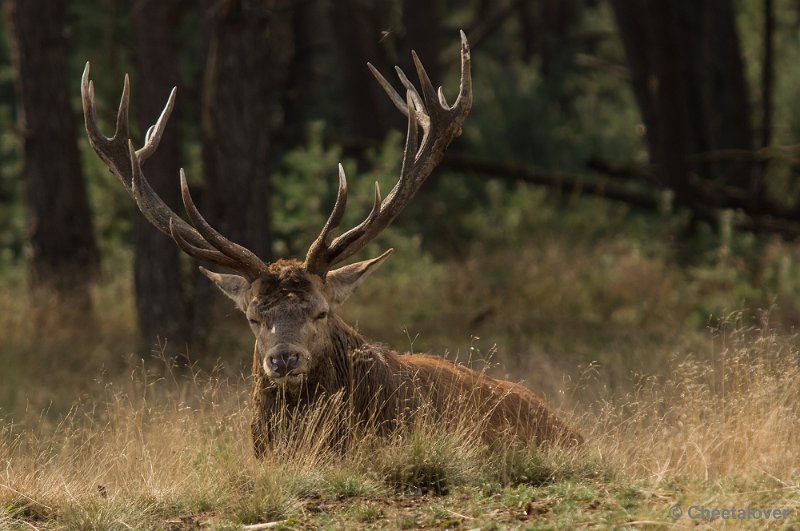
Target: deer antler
125	162
440	123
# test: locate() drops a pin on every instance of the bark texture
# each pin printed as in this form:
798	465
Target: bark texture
688	77
61	250
160	299
247	66
356	36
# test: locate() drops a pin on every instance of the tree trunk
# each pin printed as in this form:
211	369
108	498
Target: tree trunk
357	34
249	53
160	299
767	73
688	78
423	24
62	255
303	77
528	31
656	81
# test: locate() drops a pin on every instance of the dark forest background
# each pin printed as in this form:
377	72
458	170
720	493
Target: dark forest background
628	164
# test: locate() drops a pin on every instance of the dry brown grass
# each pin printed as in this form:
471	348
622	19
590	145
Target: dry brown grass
144	451
89	439
733	415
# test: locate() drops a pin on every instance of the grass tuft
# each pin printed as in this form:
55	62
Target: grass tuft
341	484
428	460
270	499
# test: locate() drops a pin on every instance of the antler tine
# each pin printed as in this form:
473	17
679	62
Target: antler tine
428	92
215	257
144	196
464	99
410	88
317	254
442	100
423	119
154	133
440	124
111	150
250	264
389	89
123	113
339	246
116	153
125	162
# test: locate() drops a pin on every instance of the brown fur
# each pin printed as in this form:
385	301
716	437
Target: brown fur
384	388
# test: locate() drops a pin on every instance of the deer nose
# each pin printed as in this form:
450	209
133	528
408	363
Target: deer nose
284	361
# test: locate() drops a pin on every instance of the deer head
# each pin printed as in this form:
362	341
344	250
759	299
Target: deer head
291	305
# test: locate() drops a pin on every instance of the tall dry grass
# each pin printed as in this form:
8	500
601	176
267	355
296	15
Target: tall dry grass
146	449
149	449
731	414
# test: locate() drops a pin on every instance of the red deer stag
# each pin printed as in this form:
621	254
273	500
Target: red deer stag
303	349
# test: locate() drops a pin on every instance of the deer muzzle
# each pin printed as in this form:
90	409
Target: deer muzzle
282	360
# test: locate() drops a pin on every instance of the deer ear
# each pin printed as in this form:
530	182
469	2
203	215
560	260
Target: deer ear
234	286
344	281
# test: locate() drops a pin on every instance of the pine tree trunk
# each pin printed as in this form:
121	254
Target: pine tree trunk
688	78
62	254
160	299
356	35
249	53
423	33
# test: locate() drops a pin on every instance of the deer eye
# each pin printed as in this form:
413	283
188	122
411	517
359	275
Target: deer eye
320	316
254	322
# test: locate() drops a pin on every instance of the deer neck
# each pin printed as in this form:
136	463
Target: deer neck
345	338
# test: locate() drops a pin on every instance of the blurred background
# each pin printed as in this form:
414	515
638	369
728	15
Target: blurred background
628	179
